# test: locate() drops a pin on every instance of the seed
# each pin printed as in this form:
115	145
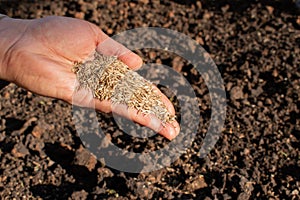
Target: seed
110	79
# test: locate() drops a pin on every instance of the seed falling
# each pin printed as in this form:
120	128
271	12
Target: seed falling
110	79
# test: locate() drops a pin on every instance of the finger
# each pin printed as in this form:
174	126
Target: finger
108	46
132	60
168	130
165	100
103	106
84	98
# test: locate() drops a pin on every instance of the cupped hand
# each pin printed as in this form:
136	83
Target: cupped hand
40	54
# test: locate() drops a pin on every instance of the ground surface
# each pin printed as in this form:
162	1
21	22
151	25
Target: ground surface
256	47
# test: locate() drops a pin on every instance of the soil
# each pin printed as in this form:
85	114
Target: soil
256	46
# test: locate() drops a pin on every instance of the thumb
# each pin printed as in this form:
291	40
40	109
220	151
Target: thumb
108	46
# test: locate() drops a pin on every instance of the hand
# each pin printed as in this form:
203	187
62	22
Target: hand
38	55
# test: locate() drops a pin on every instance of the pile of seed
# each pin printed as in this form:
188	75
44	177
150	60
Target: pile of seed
110	79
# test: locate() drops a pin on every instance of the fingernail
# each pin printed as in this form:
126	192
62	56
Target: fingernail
172	133
155	124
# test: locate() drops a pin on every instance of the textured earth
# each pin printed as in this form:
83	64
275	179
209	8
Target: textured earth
256	46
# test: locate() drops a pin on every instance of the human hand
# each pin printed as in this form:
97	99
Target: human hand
38	55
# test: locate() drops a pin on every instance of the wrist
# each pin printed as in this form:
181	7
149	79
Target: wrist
10	32
4	44
2	16
2	83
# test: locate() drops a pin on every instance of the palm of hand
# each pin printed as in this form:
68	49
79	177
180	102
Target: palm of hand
47	50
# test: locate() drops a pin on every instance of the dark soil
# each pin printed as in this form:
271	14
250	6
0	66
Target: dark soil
256	46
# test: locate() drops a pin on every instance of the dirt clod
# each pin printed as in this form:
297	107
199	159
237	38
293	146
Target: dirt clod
19	150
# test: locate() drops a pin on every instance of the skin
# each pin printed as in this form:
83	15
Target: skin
38	55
